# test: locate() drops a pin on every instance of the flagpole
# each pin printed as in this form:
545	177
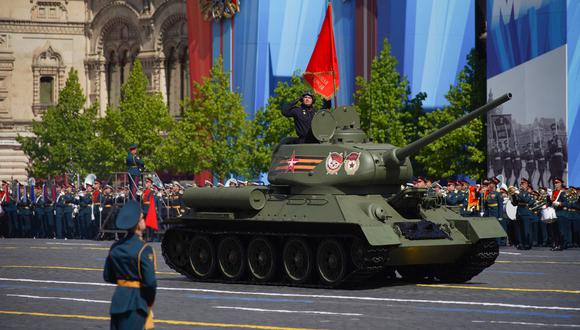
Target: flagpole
331	58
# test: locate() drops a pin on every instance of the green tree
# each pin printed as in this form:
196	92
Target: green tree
270	126
142	117
461	151
213	132
388	114
59	142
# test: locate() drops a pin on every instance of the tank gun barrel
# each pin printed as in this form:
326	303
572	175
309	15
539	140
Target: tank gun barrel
400	154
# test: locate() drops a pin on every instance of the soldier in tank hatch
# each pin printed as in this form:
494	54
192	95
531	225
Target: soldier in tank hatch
303	114
131	264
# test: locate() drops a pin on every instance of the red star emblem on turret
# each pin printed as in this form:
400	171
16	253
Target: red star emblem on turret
292	162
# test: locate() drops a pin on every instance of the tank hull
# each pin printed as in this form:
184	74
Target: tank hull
327	241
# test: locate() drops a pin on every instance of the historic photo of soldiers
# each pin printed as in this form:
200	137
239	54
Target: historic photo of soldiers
529	146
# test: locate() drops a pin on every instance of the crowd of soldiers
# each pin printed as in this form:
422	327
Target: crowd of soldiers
86	211
543	217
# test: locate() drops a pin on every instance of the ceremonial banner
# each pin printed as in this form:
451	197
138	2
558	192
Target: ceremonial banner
151	218
322	70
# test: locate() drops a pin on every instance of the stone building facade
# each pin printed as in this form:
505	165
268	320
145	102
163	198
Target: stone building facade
41	40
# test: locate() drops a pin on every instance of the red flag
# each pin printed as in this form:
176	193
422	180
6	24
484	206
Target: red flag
322	71
151	219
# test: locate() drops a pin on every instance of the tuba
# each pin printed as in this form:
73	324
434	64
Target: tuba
511	208
90	179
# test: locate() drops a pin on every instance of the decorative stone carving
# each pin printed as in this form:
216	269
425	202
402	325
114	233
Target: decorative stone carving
53	10
46	63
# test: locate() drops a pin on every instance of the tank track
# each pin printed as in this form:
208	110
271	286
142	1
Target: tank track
481	256
177	259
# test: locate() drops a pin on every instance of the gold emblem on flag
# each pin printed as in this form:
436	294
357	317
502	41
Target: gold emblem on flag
218	9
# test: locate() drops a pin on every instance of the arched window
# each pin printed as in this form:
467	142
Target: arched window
49	78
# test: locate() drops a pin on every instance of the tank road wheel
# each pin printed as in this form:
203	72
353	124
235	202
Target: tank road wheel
202	257
297	259
176	245
261	259
231	257
331	261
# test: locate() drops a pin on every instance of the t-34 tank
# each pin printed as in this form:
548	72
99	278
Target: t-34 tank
334	212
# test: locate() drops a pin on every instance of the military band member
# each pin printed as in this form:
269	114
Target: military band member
39	226
9	206
68	204
524	217
451	198
555	228
131	265
97	201
24	214
574	213
84	218
494	207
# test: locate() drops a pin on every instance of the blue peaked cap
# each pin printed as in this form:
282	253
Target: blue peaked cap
129	215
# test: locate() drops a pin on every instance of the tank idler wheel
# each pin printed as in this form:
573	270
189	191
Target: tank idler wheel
261	259
202	257
297	259
331	261
231	257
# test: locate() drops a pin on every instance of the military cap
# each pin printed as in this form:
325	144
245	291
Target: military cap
450	182
307	93
503	190
98	181
557	179
495	180
525	180
108	187
150	179
486	182
129	215
133	146
420	179
437	184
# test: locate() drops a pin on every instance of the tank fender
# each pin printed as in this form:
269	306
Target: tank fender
476	229
367	211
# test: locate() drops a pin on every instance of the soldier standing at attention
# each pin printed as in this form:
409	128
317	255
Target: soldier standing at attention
524	217
530	161
134	167
517	160
494	206
131	264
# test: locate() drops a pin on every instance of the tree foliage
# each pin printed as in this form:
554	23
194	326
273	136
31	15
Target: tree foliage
63	140
142	117
388	114
270	126
461	151
213	133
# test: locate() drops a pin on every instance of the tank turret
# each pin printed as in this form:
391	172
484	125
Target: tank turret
346	161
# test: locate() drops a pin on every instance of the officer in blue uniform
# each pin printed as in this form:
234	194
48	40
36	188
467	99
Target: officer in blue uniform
451	198
131	265
85	212
134	167
524	216
68	201
494	207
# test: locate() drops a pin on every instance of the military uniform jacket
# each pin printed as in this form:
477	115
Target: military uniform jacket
134	164
131	259
494	204
524	201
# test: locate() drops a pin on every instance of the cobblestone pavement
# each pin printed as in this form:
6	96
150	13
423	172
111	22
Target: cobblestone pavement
55	284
